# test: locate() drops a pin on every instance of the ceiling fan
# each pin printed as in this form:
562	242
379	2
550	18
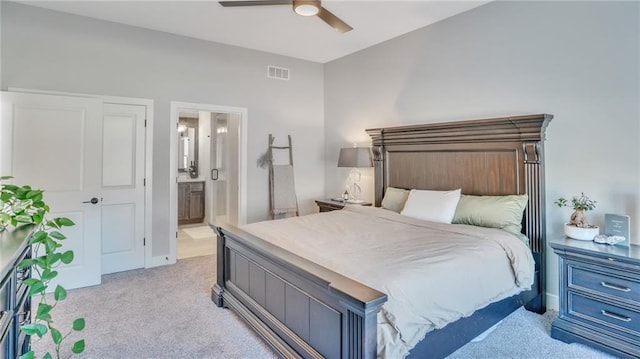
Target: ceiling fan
300	7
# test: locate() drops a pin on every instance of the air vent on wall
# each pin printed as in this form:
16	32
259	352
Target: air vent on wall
275	72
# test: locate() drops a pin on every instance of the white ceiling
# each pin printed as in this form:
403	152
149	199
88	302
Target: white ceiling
275	29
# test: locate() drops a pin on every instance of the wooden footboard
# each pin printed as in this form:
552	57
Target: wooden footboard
300	308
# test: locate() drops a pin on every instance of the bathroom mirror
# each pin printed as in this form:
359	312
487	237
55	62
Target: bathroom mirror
188	146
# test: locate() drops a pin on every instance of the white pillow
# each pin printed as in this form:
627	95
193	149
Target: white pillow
434	206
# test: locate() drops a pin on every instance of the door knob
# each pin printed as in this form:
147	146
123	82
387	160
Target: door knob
93	200
214	176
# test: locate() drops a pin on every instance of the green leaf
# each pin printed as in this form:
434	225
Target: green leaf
60	293
22	192
52	224
78	347
23	219
38	203
31	281
51	245
25	263
10	187
39	236
48	275
57	235
43	312
78	324
37	288
20	206
34	329
33	193
37	218
56	336
28	355
67	257
51	259
40	261
64	222
47	356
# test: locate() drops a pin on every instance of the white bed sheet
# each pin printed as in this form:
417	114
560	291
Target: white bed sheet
433	274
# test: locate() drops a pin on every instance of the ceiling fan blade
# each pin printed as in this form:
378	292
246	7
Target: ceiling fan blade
255	3
333	21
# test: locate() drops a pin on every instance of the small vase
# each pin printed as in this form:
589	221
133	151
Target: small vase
579	233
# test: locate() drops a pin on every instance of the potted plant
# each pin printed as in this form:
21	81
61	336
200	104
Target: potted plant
578	227
22	205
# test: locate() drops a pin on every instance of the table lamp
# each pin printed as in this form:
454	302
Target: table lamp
354	157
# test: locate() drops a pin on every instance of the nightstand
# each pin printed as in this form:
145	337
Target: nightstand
326	205
599	296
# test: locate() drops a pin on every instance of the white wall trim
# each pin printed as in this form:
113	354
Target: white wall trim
158	261
553	302
148	192
173	166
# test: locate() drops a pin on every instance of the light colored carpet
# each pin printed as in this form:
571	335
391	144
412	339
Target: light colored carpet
163	312
525	335
166	312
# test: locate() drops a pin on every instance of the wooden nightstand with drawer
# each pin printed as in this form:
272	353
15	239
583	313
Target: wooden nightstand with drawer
326	205
599	296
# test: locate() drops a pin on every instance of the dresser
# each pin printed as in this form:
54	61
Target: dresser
15	303
190	202
599	296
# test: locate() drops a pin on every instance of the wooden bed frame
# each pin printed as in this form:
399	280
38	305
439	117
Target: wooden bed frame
304	310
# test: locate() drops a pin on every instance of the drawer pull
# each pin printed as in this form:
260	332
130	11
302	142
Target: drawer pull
24	317
615	316
616	287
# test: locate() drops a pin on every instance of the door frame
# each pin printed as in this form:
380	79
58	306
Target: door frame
176	106
149	261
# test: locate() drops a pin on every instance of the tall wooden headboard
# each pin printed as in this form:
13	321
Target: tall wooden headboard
497	156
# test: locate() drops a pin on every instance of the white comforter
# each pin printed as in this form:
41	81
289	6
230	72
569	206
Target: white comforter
432	273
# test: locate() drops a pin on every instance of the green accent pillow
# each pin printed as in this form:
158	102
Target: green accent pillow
394	199
503	212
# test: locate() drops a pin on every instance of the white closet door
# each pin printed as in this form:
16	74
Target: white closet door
54	143
123	187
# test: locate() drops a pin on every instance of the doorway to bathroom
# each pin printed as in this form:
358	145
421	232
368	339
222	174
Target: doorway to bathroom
207	154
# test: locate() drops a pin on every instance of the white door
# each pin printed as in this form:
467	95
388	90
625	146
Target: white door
123	187
54	143
221	176
216	178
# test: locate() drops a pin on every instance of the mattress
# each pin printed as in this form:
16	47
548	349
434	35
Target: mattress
432	273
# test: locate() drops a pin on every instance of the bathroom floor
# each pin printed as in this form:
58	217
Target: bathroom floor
196	240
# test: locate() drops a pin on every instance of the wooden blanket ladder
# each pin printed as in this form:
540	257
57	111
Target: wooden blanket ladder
282	193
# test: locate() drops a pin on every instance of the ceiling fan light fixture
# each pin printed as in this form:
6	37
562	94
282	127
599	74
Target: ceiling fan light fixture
306	8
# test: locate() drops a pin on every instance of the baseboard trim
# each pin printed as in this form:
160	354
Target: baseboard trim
159	261
553	302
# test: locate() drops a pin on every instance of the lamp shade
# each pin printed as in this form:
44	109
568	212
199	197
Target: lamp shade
355	157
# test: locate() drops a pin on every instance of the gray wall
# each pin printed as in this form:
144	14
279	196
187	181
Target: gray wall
576	60
48	50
